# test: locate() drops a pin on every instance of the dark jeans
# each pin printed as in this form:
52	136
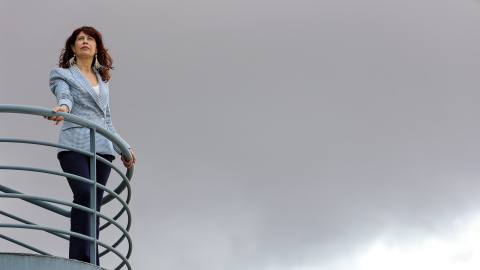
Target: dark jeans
79	164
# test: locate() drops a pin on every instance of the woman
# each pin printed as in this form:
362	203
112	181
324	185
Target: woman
80	85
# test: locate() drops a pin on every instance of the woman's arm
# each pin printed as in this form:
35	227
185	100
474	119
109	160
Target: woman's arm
61	90
108	120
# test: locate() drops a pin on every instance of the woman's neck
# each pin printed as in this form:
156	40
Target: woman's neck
84	64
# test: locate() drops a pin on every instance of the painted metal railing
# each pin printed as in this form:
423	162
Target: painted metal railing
50	203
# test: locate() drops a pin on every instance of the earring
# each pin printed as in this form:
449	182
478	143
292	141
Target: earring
96	65
71	61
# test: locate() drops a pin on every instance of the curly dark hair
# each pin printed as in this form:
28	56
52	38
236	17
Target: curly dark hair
102	53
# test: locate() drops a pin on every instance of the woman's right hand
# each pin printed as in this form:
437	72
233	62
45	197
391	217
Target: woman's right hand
62	108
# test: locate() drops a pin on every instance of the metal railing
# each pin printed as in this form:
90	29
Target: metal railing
50	203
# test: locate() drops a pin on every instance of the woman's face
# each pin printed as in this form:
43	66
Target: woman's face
85	45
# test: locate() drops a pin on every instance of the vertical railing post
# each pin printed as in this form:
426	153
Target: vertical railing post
93	198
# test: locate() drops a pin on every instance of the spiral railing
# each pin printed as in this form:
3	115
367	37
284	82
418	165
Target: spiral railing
50	203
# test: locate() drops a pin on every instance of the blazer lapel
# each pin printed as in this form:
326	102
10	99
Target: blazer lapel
103	90
101	99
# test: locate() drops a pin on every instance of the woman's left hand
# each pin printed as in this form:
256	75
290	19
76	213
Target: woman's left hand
129	164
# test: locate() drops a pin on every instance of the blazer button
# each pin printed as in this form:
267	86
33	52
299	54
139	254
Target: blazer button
90	117
103	119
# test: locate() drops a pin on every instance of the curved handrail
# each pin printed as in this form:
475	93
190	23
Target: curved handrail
44	202
22	109
106	199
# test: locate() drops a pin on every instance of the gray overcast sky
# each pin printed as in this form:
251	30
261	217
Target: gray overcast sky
285	135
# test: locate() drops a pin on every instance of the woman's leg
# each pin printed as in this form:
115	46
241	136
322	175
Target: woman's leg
79	164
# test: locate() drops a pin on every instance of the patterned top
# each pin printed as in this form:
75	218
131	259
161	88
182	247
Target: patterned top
73	89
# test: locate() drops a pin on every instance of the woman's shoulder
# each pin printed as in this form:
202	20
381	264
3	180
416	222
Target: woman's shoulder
62	72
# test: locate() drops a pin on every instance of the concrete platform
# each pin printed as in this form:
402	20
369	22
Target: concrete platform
22	261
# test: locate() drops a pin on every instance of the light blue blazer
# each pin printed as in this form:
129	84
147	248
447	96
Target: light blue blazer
73	89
